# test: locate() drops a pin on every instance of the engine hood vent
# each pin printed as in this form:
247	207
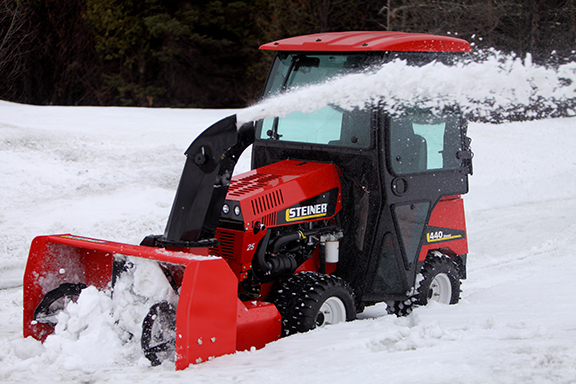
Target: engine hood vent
266	192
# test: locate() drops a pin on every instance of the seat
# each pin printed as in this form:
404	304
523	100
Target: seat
409	151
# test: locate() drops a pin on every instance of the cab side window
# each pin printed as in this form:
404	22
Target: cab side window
420	142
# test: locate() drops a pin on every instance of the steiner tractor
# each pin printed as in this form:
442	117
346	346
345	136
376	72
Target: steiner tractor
342	209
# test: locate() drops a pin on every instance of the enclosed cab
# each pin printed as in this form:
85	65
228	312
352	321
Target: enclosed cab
402	174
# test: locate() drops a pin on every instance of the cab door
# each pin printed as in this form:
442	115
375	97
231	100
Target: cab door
425	157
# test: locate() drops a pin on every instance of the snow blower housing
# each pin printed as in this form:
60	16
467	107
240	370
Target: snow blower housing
342	209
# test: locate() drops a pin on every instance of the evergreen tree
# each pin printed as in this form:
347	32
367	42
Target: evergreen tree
204	53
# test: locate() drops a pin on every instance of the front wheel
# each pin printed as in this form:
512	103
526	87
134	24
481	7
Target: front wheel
309	300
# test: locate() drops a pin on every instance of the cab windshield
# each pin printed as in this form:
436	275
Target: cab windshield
329	125
335	126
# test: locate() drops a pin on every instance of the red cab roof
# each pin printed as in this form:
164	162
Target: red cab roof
369	41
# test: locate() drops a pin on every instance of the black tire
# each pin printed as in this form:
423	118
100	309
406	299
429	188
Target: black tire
55	301
308	300
159	333
439	280
400	308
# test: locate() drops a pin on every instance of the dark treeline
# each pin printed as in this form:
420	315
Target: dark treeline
205	53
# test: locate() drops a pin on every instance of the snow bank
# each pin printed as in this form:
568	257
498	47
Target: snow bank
522	163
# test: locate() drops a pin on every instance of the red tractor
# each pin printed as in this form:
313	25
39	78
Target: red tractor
342	209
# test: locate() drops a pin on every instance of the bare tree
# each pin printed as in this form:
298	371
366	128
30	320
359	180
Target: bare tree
521	26
15	38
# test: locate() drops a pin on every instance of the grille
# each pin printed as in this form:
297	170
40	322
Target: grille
265	203
226	247
269	220
250	183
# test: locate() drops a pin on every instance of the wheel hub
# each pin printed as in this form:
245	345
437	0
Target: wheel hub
440	289
332	311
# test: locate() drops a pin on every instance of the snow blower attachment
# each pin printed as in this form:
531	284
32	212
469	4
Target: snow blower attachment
342	209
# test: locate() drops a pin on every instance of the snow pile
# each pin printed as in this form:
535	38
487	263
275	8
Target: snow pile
104	328
85	337
497	83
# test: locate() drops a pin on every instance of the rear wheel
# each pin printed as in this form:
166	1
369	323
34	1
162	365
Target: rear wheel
309	300
440	289
159	333
438	281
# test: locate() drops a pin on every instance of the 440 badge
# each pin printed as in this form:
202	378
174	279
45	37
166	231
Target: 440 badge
436	235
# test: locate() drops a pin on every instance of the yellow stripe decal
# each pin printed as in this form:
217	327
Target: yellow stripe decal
442	238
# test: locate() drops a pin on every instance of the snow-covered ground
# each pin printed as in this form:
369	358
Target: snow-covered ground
111	173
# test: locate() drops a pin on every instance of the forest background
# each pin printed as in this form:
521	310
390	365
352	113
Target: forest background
204	54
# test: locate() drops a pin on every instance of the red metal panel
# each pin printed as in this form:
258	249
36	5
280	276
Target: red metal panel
369	41
259	323
206	313
262	191
448	213
238	249
54	260
177	256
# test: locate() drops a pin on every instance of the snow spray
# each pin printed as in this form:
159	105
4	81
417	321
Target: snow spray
488	86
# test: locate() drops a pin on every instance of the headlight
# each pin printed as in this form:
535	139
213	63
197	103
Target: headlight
225	209
237	210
